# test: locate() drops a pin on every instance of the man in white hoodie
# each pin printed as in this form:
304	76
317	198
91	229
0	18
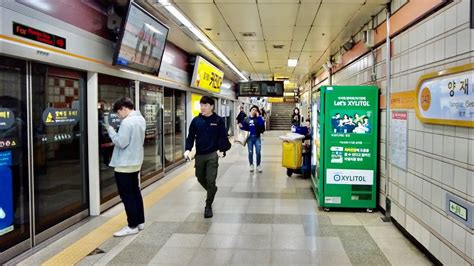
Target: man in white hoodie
127	160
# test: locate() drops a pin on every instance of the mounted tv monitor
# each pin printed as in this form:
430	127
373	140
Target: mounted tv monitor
142	41
261	89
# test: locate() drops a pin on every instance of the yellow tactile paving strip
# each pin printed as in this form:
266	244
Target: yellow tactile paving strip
75	252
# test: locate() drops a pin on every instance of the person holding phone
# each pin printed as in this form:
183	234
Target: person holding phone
256	126
127	159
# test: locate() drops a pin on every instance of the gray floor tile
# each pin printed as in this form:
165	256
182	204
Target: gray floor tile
219	241
206	257
254	242
290	257
184	241
288	230
224	229
257	218
177	256
360	247
286	242
254	257
287	219
135	254
334	257
324	243
256	229
194	228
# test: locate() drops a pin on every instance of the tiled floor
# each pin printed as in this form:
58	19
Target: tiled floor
259	218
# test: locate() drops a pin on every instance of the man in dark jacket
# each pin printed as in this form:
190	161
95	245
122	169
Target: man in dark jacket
241	116
208	130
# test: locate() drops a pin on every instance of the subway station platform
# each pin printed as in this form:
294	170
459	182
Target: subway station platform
259	218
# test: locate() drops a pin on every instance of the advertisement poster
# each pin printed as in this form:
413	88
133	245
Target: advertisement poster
6	200
399	139
349	145
206	76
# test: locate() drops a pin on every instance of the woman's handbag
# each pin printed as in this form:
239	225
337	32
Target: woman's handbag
242	137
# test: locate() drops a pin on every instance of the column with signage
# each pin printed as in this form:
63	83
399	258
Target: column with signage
348	149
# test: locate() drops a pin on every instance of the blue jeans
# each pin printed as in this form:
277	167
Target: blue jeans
254	141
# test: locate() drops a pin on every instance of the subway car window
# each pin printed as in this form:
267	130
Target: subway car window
60	184
110	89
14	187
151	102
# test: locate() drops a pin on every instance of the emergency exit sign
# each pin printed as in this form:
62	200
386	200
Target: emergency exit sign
458	210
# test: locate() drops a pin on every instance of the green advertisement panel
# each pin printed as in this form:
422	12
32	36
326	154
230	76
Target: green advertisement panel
348	148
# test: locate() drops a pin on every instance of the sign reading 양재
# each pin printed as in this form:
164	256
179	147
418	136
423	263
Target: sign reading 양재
7	118
206	76
447	97
60	116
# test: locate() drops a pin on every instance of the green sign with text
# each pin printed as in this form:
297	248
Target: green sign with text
349	135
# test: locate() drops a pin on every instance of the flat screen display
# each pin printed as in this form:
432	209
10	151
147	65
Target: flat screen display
261	88
142	41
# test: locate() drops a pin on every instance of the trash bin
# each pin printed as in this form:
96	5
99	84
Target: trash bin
292	150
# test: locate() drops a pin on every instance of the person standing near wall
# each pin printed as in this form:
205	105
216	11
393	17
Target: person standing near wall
127	158
296	117
241	116
256	126
208	130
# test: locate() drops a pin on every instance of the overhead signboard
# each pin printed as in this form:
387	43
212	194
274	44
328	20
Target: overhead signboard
38	35
447	97
261	89
206	76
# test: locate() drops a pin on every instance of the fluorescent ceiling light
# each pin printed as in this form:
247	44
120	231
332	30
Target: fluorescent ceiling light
226	85
194	30
292	62
153	28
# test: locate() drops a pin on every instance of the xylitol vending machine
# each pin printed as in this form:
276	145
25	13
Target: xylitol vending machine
345	169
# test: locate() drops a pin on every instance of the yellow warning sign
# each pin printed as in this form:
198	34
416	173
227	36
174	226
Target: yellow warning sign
49	118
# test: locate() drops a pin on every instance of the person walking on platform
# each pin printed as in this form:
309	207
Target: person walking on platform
296	117
127	159
256	126
208	130
241	116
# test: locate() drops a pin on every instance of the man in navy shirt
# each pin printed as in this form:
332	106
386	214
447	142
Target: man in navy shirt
208	130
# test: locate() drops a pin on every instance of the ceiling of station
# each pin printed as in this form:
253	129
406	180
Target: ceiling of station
259	36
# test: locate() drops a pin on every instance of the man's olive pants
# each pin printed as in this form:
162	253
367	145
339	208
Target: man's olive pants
206	172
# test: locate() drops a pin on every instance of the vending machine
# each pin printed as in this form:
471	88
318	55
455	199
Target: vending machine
345	137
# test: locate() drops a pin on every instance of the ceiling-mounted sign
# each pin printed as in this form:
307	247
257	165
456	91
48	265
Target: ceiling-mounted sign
261	89
447	97
38	35
60	116
206	76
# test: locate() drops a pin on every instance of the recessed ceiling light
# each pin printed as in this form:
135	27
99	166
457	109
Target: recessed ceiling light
292	62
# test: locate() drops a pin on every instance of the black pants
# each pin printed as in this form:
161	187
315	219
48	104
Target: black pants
129	191
206	172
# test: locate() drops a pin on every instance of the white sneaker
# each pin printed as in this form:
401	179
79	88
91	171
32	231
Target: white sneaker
251	168
126	231
259	168
141	226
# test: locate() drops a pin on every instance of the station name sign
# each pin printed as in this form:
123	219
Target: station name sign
38	35
261	88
